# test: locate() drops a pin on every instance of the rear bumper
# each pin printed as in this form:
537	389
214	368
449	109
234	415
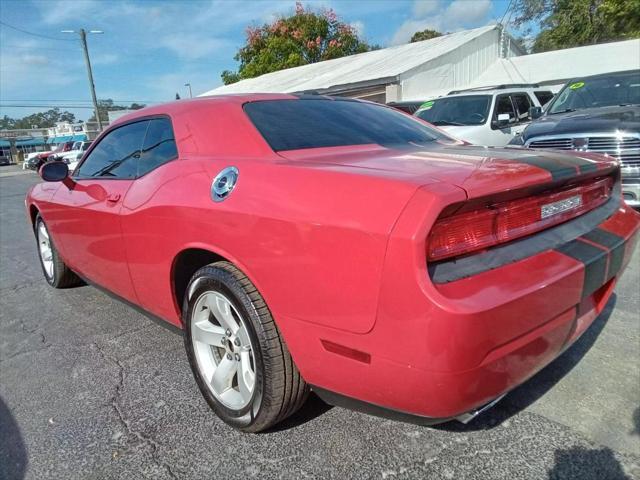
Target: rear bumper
439	350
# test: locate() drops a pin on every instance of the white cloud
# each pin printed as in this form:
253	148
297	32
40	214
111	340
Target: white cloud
191	46
104	59
424	7
456	15
358	26
29	59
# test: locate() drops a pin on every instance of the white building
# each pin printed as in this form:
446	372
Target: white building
557	67
418	71
404	72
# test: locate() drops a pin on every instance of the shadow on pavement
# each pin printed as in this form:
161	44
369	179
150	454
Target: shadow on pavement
312	408
13	454
530	391
586	464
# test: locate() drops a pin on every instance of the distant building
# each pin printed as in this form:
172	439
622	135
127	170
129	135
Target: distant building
14	142
484	56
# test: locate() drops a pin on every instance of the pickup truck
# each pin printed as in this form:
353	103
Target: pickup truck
598	114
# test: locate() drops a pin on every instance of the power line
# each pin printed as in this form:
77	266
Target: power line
506	11
34	34
33	47
47	106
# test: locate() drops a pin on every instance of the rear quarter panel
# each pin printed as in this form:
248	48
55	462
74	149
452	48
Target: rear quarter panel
312	240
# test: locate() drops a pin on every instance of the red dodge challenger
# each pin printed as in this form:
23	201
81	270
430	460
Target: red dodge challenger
309	243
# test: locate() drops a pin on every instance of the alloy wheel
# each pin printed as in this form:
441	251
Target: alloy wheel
44	247
223	350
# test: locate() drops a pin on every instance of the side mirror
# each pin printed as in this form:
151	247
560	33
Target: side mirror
503	119
54	171
535	112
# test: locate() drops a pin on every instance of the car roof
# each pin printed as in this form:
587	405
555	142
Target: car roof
601	75
496	91
178	106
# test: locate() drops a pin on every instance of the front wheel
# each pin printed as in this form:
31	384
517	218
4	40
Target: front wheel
55	271
238	358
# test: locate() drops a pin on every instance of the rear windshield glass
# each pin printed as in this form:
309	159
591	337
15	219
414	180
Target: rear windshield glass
314	123
456	111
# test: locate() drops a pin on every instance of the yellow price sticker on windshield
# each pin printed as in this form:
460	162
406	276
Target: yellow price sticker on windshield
576	86
426	105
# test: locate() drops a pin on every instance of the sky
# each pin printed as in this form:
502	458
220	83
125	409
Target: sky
151	48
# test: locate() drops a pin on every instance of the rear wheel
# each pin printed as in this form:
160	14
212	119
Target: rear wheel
56	273
238	358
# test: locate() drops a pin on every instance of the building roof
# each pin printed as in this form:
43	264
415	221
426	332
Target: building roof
559	66
369	68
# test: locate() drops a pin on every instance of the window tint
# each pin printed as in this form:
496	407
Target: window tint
522	103
543	96
159	146
463	110
117	153
504	105
314	123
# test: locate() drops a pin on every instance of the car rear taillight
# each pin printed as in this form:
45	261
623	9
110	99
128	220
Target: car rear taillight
480	229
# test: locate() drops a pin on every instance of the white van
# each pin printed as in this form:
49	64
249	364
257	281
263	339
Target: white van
489	116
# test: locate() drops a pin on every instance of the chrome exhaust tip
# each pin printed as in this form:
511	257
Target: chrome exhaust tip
467	417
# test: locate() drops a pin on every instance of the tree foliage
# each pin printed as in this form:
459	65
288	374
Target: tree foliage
106	106
41	120
574	23
302	38
427	34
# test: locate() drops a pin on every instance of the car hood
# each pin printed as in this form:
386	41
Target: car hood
478	170
603	119
469	133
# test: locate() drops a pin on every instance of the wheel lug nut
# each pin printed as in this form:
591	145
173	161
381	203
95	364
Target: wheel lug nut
237	342
223	341
229	356
237	357
228	332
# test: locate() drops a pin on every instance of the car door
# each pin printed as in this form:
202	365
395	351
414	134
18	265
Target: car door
147	217
522	103
500	135
89	223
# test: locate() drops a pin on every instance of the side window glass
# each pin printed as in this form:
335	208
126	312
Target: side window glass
117	154
504	105
544	96
522	103
159	146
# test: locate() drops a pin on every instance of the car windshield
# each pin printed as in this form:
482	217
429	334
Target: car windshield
457	111
605	91
322	122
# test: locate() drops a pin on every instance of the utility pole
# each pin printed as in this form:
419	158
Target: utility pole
189	85
92	86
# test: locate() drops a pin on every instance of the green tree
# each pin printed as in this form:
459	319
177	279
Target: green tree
574	23
302	38
427	34
106	106
41	120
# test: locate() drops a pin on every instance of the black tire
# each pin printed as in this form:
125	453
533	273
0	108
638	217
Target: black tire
279	388
62	276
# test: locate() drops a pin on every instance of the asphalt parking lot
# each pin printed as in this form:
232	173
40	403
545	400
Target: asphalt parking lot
91	389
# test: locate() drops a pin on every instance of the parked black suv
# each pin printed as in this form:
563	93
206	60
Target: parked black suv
595	114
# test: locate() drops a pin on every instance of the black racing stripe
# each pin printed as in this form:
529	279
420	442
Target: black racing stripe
558	170
614	243
588	168
594	260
